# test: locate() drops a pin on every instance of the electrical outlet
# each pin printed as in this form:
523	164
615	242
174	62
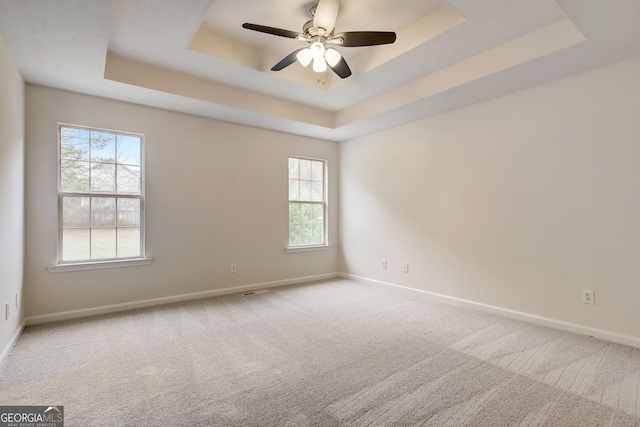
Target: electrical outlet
383	264
234	268
588	296
405	267
6	313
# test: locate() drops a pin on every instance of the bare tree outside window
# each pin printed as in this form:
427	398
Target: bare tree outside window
100	194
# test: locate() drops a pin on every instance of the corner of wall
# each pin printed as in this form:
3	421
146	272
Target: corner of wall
12	173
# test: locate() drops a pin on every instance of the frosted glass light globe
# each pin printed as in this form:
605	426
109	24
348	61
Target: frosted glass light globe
317	50
319	65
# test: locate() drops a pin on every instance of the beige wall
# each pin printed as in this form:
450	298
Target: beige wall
216	193
518	202
11	194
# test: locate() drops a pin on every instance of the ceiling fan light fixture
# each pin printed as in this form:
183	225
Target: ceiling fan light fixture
332	56
319	65
304	57
318	32
317	50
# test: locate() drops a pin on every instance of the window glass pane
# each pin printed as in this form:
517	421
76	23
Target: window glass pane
294	168
306	184
103	147
294	189
103	164
305	190
128	242
294	213
103	178
75	212
306	234
317	191
306	213
128	212
317	173
103	212
317	234
305	169
317	215
103	243
128	179
74	176
294	234
128	149
75	244
74	144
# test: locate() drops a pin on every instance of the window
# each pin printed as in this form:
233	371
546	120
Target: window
100	195
307	202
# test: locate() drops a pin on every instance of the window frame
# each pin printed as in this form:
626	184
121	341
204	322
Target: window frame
325	208
99	263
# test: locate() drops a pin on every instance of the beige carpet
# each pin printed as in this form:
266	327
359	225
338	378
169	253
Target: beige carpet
335	353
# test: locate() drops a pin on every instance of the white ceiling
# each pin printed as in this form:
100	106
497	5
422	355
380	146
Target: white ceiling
193	55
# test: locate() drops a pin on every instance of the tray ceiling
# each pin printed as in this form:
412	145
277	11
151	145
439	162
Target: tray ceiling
194	56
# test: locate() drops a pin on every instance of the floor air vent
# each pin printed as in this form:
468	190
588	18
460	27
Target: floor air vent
261	291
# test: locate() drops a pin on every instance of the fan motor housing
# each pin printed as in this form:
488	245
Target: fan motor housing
310	30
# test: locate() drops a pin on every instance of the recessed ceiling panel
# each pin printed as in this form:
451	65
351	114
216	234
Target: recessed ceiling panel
221	34
227	16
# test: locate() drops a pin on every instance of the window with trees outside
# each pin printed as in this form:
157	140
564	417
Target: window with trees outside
100	195
307	202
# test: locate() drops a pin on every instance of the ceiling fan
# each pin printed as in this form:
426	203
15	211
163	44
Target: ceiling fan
319	32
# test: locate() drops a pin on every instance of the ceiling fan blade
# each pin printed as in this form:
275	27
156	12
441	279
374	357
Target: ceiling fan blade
341	68
286	61
326	14
271	30
365	38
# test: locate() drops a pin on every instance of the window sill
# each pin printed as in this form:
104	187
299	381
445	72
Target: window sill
98	265
294	249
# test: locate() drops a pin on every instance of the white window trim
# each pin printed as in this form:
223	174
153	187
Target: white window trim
99	264
294	249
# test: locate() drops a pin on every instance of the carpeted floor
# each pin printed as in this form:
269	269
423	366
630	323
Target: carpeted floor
334	353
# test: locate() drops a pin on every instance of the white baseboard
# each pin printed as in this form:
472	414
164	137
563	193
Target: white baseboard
113	308
12	342
514	314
